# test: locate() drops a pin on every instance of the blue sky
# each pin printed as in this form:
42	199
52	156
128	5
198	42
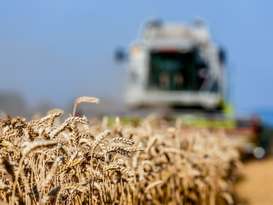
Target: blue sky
59	49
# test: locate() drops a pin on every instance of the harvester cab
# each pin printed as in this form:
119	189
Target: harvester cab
175	65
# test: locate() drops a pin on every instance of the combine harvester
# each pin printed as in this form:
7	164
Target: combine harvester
178	71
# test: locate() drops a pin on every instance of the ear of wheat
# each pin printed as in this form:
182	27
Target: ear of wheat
83	99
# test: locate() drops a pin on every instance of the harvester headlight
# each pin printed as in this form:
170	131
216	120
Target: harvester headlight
135	50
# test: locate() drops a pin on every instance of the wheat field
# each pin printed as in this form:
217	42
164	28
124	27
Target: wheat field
81	161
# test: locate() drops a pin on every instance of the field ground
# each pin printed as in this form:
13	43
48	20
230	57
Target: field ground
257	186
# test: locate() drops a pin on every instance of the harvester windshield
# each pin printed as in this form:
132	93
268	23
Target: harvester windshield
177	70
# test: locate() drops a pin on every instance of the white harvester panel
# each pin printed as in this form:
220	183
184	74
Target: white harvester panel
174	64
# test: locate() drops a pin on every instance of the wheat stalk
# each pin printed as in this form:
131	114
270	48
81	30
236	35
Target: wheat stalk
83	99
